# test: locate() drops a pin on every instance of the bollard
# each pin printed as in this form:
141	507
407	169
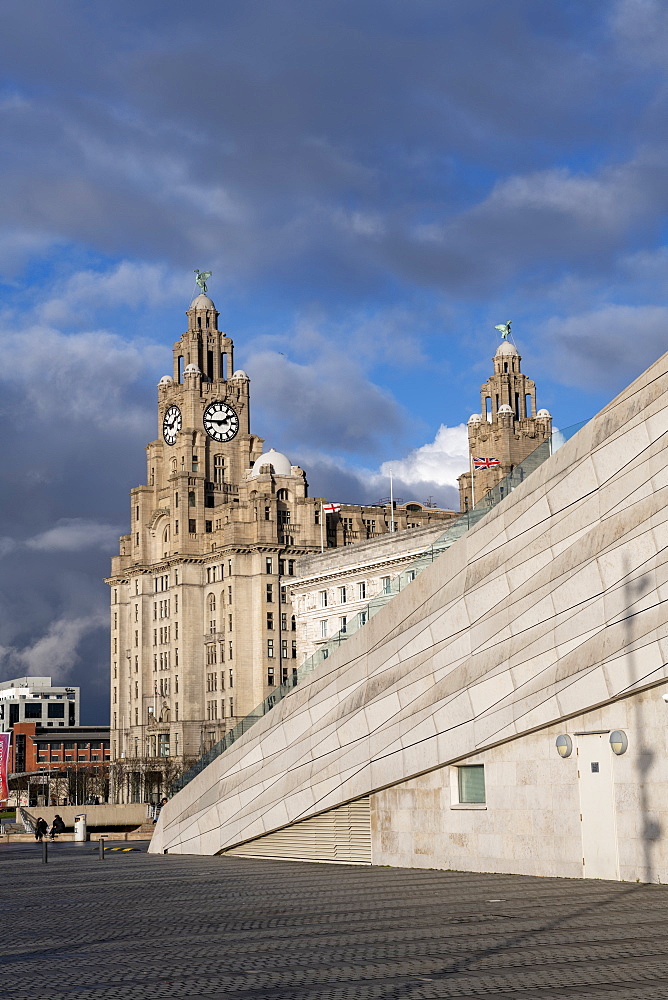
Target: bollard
101	848
45	852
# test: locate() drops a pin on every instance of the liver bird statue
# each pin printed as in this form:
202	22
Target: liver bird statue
201	278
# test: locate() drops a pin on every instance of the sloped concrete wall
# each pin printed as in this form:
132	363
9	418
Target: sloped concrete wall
553	605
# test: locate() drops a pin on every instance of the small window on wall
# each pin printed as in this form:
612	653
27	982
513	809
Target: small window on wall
471	784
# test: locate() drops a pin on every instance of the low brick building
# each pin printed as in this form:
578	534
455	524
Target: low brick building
63	766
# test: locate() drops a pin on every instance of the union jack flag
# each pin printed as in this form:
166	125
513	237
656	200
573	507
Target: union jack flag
485	463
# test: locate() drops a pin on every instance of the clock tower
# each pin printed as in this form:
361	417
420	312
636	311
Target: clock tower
202	626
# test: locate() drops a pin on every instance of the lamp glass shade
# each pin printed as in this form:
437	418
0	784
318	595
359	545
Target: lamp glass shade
564	745
619	742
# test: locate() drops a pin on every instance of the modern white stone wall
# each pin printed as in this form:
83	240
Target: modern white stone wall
553	606
530	824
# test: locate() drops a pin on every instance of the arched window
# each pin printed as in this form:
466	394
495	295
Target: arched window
211	602
218	468
282	495
165	535
173	465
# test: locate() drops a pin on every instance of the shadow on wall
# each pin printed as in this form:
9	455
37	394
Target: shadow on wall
649	826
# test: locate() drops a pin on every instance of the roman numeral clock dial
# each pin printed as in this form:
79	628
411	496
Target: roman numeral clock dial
171	424
220	422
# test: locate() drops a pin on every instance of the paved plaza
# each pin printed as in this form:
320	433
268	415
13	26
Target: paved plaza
140	926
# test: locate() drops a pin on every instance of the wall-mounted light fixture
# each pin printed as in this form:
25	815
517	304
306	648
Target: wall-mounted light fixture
619	742
564	745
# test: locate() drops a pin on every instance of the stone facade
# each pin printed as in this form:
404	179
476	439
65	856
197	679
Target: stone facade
202	626
507	429
331	588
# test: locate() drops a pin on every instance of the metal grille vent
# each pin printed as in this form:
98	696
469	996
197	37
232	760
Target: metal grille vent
341	835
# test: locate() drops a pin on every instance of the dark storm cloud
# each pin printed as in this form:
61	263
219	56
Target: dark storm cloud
326	143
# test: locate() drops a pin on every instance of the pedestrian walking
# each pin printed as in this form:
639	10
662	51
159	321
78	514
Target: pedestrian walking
40	829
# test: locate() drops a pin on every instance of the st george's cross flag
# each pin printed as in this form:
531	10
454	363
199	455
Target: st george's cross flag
331	508
485	463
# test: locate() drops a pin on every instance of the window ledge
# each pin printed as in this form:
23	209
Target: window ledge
468	805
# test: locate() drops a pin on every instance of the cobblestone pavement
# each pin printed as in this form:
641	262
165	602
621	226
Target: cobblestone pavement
140	926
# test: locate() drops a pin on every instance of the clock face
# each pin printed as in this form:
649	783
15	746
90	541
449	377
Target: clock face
171	425
220	422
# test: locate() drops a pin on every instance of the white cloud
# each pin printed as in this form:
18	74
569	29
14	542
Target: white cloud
440	462
74	534
55	653
80	376
127	284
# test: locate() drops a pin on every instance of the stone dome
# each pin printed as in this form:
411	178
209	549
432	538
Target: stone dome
202	301
192	369
240	373
280	464
166	380
505	408
544	413
475	418
505	348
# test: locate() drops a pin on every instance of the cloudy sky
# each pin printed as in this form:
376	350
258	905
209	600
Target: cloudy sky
374	184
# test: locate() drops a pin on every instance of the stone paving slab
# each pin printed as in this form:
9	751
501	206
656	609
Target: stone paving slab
142	926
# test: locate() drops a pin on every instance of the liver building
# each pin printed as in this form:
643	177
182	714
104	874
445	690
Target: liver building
202	627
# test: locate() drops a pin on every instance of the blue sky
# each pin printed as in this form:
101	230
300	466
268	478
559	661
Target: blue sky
374	184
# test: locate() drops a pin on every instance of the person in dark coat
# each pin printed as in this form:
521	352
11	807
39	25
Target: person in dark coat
57	826
40	829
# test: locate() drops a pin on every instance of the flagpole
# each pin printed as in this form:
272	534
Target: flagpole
391	503
322	533
472	482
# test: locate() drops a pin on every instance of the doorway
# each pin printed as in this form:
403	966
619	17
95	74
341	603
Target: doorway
597	807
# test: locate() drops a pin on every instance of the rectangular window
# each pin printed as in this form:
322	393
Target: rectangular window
270	676
362	617
284	621
231	681
386	584
56	711
323	628
266	513
323	598
291	567
270	593
231	706
284	648
208	527
471	783
294	649
361	591
269	565
343	622
270	647
270	620
192	527
342	595
34	710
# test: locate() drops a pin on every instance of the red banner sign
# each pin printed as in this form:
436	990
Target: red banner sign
4	765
